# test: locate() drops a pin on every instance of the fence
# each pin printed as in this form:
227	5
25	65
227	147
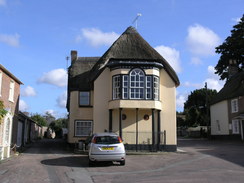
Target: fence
144	140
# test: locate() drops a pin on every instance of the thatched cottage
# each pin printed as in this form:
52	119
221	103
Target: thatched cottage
130	90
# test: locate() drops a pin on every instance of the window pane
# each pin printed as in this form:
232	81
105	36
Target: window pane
83	128
137	84
84	98
156	87
116	87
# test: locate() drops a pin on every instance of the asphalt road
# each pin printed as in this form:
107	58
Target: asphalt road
198	161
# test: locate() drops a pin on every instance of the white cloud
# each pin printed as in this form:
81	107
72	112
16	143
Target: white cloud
96	37
52	112
196	61
213	79
11	40
236	20
23	106
180	100
171	55
3	3
202	40
28	91
194	85
57	77
61	100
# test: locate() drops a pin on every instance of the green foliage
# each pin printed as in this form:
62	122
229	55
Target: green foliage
3	112
180	119
196	107
57	126
231	49
39	119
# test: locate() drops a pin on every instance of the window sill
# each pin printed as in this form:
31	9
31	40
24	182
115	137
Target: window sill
143	104
10	100
84	106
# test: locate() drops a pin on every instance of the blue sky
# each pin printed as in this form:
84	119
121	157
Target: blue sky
36	36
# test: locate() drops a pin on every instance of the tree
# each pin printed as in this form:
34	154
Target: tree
57	126
3	112
39	119
231	49
196	107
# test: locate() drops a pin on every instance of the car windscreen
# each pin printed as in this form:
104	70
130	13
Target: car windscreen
106	140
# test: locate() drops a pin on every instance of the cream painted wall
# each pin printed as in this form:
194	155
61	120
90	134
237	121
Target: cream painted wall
102	94
168	113
77	113
129	125
219	113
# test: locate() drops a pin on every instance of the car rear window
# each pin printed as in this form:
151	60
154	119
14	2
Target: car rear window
107	140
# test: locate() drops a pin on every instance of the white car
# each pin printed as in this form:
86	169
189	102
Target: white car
106	147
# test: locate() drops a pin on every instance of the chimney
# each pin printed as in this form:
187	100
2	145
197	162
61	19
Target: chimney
233	69
73	56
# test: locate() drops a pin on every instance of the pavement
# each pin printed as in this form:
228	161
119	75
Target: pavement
197	160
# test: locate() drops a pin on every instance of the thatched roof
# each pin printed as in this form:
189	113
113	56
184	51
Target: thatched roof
131	46
79	73
233	88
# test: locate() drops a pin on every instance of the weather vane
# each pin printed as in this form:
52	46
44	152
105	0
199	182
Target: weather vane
135	20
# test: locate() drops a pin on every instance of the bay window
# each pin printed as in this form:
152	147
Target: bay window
136	85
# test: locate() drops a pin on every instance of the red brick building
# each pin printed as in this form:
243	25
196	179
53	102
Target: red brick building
9	94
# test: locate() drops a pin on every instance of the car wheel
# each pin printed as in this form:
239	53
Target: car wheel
122	163
91	163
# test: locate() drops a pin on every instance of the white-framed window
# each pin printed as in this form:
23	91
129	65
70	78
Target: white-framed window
235	126
156	87
116	87
148	87
11	91
83	128
1	78
234	105
137	84
84	98
125	86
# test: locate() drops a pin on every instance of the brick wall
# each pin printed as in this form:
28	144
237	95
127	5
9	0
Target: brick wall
12	106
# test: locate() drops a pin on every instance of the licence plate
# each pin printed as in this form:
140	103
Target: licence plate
107	148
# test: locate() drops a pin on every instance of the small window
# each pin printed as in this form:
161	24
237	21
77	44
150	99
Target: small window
125	86
83	128
148	87
11	91
84	98
116	87
156	87
235	126
234	105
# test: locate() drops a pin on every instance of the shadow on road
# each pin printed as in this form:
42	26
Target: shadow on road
70	161
75	161
232	151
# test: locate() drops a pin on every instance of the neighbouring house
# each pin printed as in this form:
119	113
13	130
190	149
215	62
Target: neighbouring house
9	94
28	130
227	108
129	90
